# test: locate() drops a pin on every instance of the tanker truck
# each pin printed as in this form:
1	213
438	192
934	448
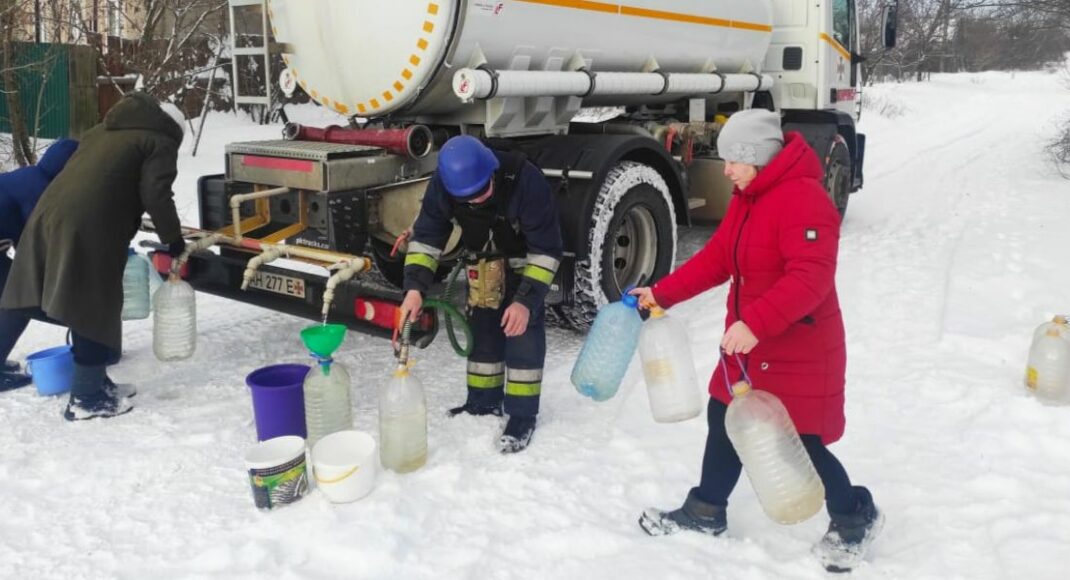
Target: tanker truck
618	103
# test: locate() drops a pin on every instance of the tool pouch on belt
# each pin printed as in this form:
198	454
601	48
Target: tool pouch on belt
486	283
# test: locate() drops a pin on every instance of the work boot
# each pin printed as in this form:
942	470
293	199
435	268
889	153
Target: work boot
517	434
849	536
11	380
118	390
90	399
477	409
695	515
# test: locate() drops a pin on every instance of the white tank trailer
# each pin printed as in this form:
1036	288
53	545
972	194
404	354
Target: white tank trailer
619	103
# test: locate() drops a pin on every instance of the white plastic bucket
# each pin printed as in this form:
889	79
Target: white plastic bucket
344	465
277	471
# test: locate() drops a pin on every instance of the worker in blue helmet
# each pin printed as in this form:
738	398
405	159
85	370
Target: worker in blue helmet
511	237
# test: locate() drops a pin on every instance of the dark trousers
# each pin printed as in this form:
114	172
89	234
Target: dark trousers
509	367
13	322
721	467
11	325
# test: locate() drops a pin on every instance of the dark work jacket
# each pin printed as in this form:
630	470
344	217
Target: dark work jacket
520	221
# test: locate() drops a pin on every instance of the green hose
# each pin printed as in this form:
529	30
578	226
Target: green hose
450	312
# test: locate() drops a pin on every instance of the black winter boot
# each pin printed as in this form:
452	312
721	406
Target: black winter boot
477	410
13	379
849	535
517	434
695	515
118	390
481	402
90	399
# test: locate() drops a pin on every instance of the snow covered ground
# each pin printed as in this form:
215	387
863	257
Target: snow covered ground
954	251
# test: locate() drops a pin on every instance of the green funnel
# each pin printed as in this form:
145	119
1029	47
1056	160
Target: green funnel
323	339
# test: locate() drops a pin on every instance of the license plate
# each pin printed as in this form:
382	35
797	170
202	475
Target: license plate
279	284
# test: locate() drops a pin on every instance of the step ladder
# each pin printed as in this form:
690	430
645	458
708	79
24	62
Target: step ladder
253	43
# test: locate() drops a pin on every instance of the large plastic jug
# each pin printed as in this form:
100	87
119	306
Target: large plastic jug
136	303
328	407
402	423
777	464
669	371
1058	323
174	328
1047	373
608	350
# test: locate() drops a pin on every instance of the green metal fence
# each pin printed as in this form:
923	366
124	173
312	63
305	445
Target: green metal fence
57	89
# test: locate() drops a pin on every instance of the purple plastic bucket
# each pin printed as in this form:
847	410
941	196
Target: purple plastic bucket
278	400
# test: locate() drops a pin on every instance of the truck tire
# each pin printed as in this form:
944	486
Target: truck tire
393	267
632	240
838	175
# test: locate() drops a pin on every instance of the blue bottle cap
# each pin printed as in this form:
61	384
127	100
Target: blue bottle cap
630	300
130	251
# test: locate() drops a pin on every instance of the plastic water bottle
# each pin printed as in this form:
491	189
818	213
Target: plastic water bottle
328	408
174	329
326	389
608	349
135	287
777	464
402	423
669	371
1058	323
1047	373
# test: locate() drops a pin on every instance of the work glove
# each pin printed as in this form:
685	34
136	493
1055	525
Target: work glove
175	248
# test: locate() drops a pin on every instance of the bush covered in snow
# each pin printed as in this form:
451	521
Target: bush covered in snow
883	104
1059	147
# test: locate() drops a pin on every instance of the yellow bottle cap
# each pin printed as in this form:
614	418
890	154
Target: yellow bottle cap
657	312
403	370
1059	319
741	388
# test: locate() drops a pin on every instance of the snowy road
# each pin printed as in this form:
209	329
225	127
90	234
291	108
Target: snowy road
954	251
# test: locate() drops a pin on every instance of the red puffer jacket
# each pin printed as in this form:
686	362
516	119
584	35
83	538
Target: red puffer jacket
777	244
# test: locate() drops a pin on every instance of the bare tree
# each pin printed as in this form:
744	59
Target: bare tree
11	12
952	35
178	36
162	41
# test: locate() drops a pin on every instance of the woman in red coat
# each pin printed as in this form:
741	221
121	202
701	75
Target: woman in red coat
777	246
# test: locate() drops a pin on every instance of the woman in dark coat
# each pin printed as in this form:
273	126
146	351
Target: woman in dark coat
777	245
70	261
19	191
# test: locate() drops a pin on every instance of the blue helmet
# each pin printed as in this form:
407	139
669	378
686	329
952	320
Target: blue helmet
465	166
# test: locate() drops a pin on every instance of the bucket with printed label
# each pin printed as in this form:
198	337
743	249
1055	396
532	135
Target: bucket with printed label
277	471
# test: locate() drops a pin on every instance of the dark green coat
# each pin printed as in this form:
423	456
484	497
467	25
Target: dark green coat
71	256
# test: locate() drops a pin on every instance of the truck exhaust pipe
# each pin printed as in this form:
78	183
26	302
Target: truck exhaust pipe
414	142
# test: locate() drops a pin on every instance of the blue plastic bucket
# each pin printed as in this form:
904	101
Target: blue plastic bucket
52	370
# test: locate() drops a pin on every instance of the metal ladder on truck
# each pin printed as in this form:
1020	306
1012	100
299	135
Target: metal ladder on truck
251	50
